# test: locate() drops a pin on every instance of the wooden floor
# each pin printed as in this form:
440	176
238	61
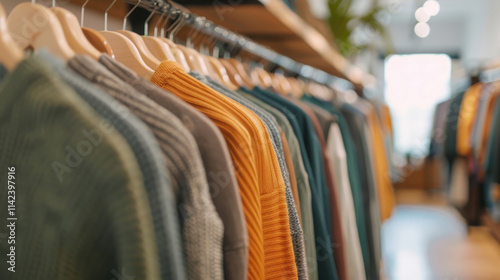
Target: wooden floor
427	240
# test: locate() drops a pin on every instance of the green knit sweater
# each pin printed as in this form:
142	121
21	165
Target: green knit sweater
81	209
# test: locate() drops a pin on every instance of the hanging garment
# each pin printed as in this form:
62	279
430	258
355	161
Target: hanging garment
354	178
311	154
337	153
146	151
274	133
302	183
270	250
202	229
219	170
450	144
45	203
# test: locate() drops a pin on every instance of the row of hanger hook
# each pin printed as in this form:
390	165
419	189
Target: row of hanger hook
213	34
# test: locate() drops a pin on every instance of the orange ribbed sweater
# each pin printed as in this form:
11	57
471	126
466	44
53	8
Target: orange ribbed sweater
261	185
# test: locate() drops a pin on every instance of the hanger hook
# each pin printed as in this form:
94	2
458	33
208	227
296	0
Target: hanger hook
174	23
128	14
162	16
83	12
146	23
167	18
106	15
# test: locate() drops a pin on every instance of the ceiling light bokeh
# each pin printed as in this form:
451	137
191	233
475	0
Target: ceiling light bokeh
422	29
432	7
421	15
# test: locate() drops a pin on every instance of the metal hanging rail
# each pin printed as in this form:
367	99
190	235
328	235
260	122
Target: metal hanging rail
222	34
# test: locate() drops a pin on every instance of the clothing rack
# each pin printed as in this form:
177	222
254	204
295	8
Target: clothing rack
490	75
239	42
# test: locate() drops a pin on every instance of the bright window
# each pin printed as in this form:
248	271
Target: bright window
414	84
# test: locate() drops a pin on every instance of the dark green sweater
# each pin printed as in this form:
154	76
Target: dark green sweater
81	208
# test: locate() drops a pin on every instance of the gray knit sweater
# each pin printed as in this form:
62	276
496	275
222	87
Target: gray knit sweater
148	156
81	208
202	229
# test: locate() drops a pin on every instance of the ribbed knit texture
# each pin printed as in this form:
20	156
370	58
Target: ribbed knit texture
217	161
148	156
92	222
302	184
274	133
202	229
257	169
311	155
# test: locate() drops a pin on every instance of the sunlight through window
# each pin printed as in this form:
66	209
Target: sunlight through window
414	84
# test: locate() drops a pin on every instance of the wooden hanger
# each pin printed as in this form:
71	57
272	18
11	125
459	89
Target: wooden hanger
73	32
222	73
194	59
195	64
233	73
276	84
261	78
284	84
98	41
10	54
22	26
95	38
296	88
126	52
136	39
242	72
178	54
146	55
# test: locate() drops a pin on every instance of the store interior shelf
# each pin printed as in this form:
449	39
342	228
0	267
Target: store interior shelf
273	24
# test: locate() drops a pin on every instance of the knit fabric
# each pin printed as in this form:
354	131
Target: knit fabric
311	154
274	133
262	188
148	156
302	183
335	147
202	229
291	172
81	208
355	122
353	173
216	160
